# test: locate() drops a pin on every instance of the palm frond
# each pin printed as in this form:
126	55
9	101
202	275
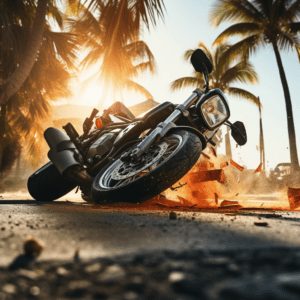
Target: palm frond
133	86
144	67
287	41
187	82
234	10
240	93
245	47
242	29
242	72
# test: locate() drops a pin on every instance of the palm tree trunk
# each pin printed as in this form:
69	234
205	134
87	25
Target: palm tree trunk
289	111
2	134
9	87
261	140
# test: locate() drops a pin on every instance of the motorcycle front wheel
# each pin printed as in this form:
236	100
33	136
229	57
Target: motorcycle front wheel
155	171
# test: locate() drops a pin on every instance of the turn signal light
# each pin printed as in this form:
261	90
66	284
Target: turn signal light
98	123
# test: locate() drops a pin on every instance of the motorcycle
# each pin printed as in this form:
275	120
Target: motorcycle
133	160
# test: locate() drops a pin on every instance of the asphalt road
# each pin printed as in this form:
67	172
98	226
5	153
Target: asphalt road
98	231
136	252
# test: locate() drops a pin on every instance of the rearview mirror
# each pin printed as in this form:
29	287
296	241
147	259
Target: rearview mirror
238	132
201	62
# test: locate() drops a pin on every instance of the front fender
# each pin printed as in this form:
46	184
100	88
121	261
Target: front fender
195	131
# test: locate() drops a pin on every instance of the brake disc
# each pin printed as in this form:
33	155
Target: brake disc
129	169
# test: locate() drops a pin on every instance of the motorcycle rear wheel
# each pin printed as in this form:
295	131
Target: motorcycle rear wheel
164	164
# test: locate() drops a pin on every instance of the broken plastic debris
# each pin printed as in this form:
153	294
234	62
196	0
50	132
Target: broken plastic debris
224	165
210	175
259	168
213	151
294	197
205	155
236	165
228	202
216	198
33	247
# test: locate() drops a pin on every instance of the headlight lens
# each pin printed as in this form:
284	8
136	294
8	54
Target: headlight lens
214	111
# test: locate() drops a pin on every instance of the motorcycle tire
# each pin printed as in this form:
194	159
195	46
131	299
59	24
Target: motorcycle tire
155	181
47	184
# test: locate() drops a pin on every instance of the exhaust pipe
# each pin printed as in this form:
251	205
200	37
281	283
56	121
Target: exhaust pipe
61	153
62	149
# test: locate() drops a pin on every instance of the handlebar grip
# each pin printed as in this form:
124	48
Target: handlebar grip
94	113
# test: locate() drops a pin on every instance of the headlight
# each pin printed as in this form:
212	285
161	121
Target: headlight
213	108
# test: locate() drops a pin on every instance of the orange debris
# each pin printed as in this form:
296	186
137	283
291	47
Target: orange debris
208	175
205	155
213	151
294	197
216	198
259	168
223	165
236	165
228	202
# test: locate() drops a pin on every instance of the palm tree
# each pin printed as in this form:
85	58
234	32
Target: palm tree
226	71
12	84
260	23
22	117
110	30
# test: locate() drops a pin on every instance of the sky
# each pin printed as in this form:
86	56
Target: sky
187	24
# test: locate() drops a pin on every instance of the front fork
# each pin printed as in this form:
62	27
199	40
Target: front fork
162	128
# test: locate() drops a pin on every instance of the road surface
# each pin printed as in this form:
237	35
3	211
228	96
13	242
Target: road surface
128	241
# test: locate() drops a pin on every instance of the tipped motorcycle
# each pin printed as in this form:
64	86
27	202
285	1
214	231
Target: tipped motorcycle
122	158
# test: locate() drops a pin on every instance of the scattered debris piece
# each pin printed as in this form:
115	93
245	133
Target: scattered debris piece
216	198
178	187
172	215
236	165
224	165
237	194
258	169
230	214
1	197
262	224
205	155
228	202
33	247
294	197
213	151
210	175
